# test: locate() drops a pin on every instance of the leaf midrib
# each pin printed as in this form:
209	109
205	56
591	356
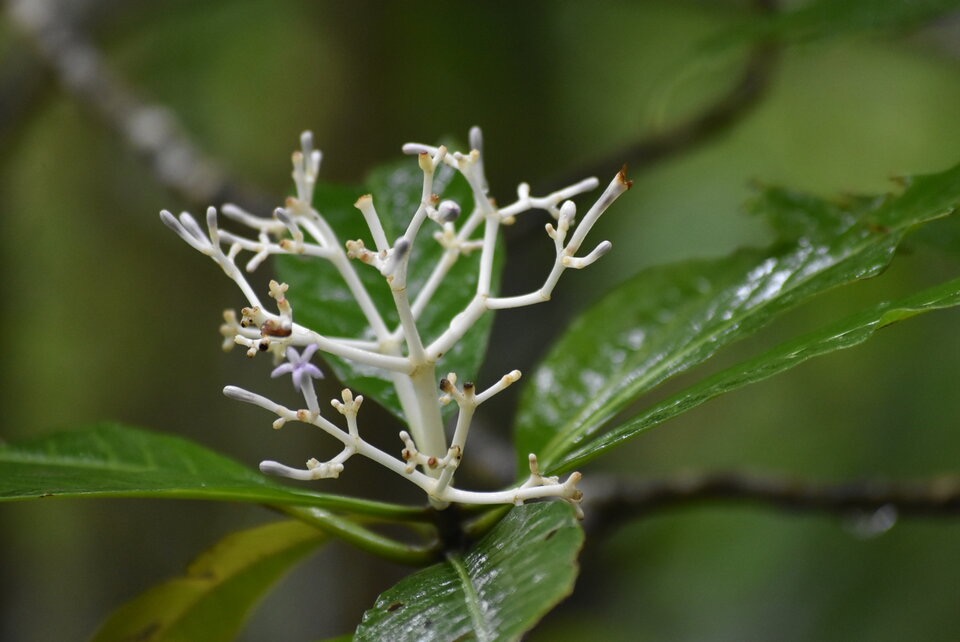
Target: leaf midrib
471	598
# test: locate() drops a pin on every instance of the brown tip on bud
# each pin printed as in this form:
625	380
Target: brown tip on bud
432	462
468	386
264	345
622	176
445	385
434	198
273	329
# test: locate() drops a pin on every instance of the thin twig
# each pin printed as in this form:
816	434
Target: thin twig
716	118
609	502
149	129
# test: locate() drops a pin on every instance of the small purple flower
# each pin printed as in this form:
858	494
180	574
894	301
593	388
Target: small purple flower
299	366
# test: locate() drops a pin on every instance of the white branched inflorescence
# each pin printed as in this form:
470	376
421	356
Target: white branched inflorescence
406	357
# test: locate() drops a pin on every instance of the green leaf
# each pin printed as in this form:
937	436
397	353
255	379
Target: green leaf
844	334
831	18
212	601
322	301
794	215
109	460
668	319
497	590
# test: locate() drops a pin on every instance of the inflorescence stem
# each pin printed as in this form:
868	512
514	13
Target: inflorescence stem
405	357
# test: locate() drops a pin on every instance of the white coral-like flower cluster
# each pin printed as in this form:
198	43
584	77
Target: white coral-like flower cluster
402	353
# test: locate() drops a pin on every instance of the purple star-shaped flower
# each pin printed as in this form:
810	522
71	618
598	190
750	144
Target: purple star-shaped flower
299	366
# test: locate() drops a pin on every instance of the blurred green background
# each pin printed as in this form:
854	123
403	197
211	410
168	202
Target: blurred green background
110	316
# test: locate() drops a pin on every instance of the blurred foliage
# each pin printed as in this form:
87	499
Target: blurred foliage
105	306
212	601
830	18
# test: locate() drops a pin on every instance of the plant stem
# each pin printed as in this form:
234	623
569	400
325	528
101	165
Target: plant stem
427	431
363	538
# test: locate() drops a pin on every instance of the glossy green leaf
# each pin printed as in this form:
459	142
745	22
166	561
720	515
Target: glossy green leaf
497	590
212	601
668	319
844	334
109	460
322	301
794	215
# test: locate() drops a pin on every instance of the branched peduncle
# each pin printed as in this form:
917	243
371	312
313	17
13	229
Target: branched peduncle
405	356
